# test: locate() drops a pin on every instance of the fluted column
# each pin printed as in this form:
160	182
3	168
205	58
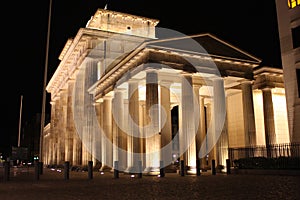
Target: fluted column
187	131
63	120
199	125
53	140
60	131
134	139
248	112
70	124
153	138
120	138
166	129
270	136
99	113
219	120
202	130
107	137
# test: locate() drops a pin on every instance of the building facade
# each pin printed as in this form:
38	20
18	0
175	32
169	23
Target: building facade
122	94
288	17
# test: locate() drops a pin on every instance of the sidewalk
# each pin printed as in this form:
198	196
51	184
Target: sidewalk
51	185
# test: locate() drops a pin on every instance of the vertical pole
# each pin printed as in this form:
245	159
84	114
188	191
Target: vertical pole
162	169
213	167
228	166
67	170
44	86
182	167
90	169
116	169
139	169
20	122
198	171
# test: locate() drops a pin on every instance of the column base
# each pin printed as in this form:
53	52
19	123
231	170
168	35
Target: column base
191	170
131	170
105	168
152	171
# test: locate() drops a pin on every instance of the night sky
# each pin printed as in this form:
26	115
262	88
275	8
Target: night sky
248	25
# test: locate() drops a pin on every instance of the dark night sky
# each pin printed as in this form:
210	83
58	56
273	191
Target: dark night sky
249	25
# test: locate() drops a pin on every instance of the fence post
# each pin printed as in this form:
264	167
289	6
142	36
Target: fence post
198	170
139	169
90	170
66	170
213	167
116	169
162	169
228	166
182	167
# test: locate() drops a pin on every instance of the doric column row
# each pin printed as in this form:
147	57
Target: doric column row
133	133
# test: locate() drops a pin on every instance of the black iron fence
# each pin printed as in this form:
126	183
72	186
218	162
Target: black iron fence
271	156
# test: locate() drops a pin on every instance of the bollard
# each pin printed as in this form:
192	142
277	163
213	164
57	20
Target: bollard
66	170
162	169
228	166
116	169
213	167
198	172
139	169
6	171
41	164
90	170
36	170
181	167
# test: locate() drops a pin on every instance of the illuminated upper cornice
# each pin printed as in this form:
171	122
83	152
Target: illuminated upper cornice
112	21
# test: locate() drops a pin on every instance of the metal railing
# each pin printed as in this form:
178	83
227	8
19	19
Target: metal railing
280	155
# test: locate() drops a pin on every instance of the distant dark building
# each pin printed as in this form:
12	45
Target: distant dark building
30	135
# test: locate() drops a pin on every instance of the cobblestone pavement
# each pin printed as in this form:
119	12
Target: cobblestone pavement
51	185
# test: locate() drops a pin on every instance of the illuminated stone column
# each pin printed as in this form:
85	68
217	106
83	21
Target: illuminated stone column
60	131
268	118
70	124
187	131
202	130
200	134
120	138
166	129
107	137
53	137
219	121
63	124
248	112
153	138
134	139
77	150
98	145
143	122
89	121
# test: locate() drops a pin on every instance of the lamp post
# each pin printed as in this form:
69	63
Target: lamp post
20	122
44	85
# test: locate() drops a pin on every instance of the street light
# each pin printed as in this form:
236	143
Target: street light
44	85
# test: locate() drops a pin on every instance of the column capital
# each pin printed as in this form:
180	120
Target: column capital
133	80
109	96
119	90
246	81
266	89
165	83
183	73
